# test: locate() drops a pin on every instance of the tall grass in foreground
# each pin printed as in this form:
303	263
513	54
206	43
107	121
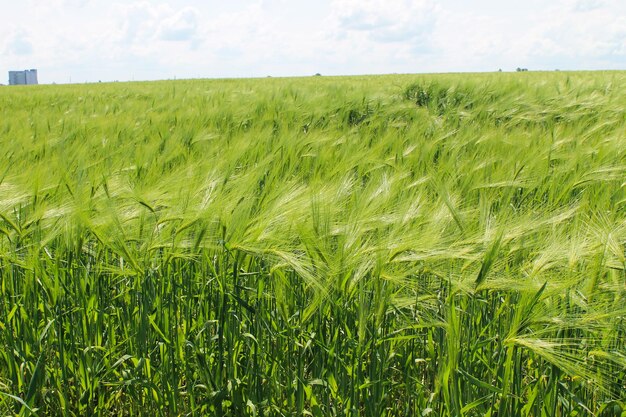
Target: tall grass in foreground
364	246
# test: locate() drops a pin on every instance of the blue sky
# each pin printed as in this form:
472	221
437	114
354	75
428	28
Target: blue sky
92	40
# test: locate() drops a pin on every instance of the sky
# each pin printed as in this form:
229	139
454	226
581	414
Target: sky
107	40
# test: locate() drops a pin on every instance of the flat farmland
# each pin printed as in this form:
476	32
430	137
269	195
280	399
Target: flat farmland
399	245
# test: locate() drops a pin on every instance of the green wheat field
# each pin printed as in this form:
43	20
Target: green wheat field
379	246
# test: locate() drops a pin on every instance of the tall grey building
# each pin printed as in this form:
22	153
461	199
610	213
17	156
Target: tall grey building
26	77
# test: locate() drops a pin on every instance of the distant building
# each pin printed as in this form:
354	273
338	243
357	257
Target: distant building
26	77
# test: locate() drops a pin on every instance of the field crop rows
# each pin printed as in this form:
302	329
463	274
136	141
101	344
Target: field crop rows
435	245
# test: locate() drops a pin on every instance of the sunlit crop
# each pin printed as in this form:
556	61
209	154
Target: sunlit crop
436	245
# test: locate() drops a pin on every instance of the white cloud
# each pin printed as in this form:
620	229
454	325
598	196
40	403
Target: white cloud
586	37
249	29
143	32
141	39
587	5
19	44
387	20
138	22
182	26
570	34
143	23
